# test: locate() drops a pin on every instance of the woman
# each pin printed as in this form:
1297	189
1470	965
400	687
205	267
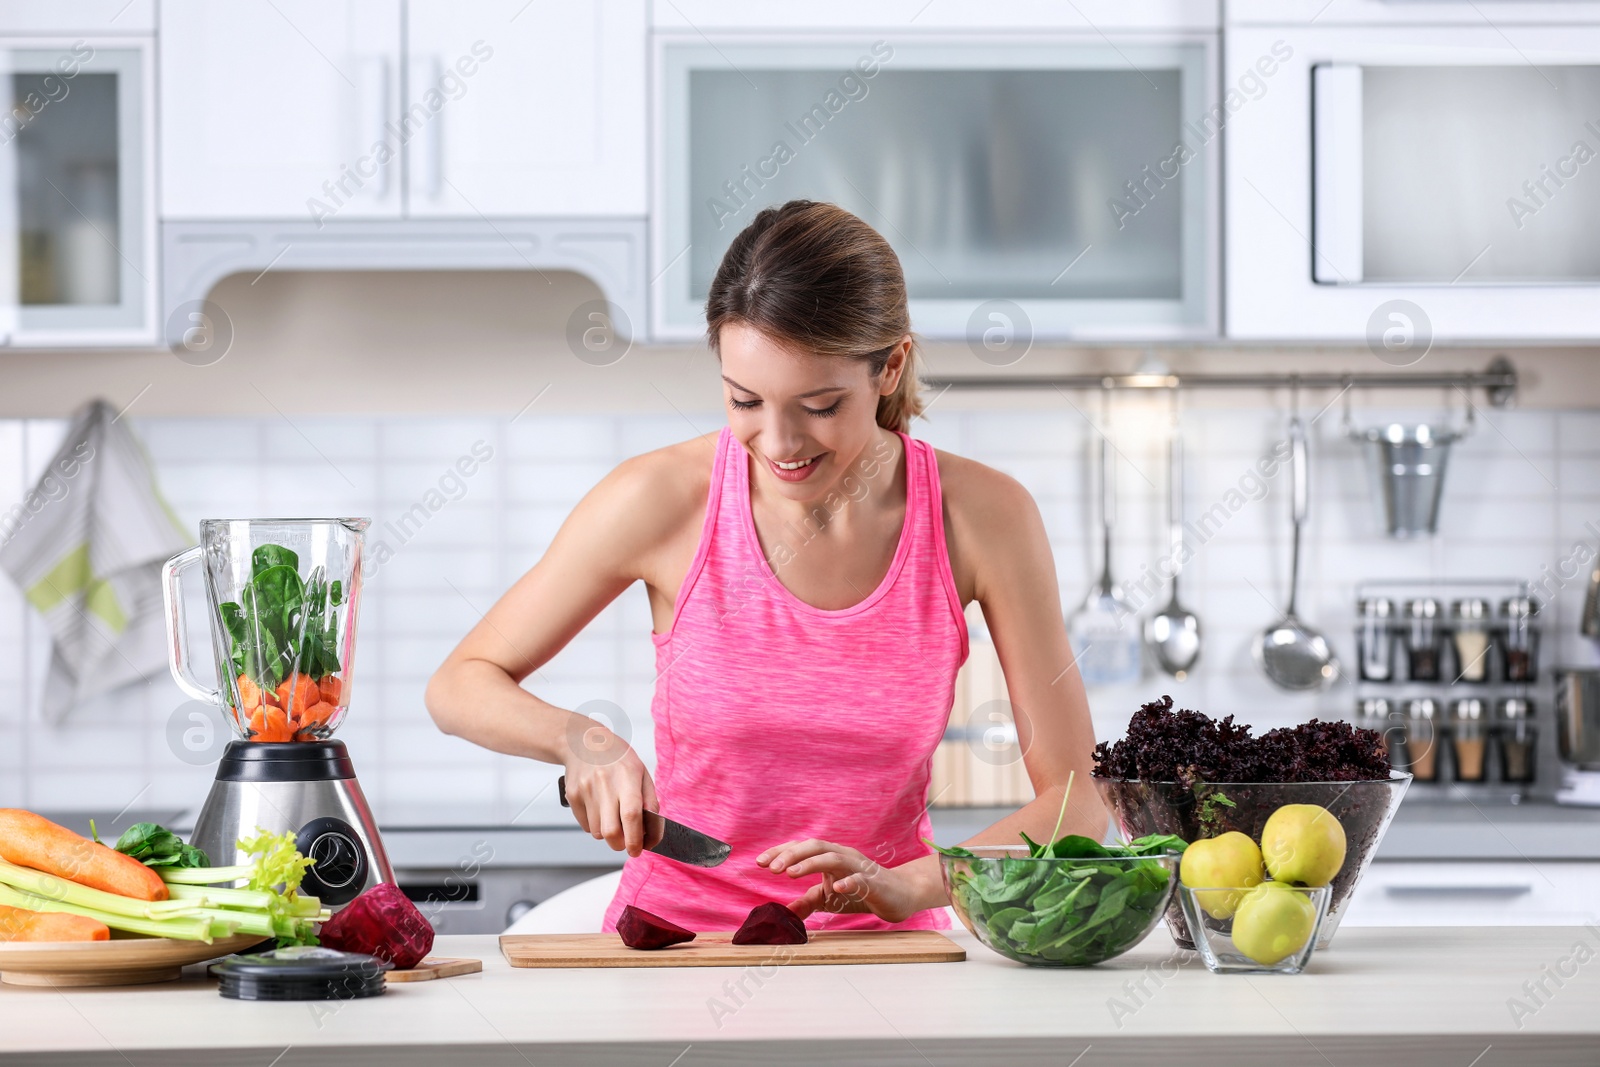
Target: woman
807	574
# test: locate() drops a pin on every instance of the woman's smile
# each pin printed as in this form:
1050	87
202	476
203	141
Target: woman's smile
796	470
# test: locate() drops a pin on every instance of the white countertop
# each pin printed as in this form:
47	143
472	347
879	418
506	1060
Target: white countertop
1379	996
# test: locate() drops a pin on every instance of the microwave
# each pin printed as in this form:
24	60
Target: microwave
1440	181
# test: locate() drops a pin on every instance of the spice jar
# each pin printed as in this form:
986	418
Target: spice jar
1470	622
1422	739
1377	713
1518	737
1423	639
1519	638
1469	735
1375	639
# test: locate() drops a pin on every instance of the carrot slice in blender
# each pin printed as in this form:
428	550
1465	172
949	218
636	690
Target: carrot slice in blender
296	693
329	689
249	693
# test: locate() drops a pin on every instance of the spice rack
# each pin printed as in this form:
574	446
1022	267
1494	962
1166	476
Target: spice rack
1449	672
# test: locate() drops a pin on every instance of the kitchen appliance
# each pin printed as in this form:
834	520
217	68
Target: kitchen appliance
283	598
1106	645
1578	717
672	839
1291	654
1407	180
1173	635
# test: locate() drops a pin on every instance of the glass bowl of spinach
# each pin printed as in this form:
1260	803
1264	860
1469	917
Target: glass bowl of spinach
1071	904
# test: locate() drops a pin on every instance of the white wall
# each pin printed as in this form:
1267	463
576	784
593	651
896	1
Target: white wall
1519	493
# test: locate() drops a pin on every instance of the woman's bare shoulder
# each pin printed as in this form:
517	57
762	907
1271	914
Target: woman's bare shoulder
979	497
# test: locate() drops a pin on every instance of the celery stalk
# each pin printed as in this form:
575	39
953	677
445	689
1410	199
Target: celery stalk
212	896
187	928
204	875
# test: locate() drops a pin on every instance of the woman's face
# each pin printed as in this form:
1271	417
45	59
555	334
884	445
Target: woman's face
805	418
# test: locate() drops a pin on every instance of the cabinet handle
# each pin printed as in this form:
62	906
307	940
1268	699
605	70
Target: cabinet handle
421	126
372	122
1457	890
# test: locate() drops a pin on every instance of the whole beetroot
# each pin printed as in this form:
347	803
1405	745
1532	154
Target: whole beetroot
381	922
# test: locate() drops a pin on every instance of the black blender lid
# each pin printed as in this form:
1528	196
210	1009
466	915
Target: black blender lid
301	972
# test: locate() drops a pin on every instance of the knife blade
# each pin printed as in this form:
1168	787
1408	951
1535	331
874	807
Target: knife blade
672	839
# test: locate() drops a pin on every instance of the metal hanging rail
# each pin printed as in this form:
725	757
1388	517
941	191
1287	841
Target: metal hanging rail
1498	381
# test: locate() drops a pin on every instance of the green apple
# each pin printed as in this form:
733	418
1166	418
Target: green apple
1273	922
1303	844
1230	860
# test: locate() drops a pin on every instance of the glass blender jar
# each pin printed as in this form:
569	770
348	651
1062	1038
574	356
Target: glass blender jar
284	596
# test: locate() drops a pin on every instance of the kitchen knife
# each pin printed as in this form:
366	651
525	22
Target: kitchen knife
673	840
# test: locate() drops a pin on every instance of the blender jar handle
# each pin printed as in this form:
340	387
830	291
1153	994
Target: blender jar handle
177	632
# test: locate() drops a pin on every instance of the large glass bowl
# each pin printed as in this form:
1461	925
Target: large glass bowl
1058	912
1208	809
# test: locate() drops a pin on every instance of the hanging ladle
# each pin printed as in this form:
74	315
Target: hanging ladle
1291	654
1173	635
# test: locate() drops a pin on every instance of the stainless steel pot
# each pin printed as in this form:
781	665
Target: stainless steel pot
1578	717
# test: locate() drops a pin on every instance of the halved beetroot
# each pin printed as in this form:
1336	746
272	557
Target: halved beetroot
640	929
771	924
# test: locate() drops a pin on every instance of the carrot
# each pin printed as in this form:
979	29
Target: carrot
258	724
277	726
30	840
296	693
20	924
330	688
249	693
317	713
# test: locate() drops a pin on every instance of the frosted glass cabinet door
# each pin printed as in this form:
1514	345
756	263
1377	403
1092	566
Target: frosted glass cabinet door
76	193
1062	177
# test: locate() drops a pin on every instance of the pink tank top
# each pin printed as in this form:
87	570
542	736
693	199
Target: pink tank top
778	721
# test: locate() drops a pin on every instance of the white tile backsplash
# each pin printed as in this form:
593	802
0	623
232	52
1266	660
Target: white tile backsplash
458	543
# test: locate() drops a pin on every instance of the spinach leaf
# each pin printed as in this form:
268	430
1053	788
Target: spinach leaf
283	624
156	846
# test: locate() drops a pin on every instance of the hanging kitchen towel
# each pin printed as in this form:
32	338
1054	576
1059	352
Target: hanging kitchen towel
86	547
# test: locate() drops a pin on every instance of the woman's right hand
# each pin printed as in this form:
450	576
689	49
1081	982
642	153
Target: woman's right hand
608	786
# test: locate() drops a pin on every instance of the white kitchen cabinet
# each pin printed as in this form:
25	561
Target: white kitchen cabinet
526	109
280	109
77	192
1523	893
900	18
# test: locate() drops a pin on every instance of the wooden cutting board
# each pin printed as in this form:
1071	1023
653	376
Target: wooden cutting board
718	950
434	967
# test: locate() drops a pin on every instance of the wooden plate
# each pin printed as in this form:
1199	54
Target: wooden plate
121	961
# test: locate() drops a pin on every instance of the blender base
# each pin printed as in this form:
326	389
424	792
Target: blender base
308	788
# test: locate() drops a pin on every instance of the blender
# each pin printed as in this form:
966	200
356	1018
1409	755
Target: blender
283	597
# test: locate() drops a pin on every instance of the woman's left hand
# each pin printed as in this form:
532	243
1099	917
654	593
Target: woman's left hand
851	882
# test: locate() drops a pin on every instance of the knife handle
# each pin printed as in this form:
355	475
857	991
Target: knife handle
653	828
